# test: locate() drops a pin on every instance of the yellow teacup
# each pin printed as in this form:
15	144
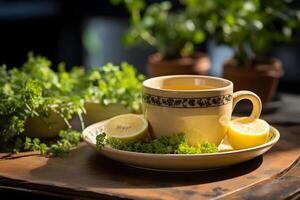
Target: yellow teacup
199	106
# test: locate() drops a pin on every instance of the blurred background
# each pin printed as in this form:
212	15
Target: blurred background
90	33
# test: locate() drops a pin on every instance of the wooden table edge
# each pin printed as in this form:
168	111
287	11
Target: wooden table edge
52	190
285	177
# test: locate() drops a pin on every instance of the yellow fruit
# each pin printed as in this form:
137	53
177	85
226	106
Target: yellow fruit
245	133
127	127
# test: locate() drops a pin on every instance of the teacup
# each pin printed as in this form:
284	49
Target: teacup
198	106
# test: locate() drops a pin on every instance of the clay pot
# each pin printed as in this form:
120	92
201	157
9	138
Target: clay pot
262	78
96	112
45	127
198	64
49	127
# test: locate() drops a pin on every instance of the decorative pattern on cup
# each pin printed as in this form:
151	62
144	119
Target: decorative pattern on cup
202	102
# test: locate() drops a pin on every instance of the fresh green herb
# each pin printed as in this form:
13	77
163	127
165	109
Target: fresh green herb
176	144
68	139
111	84
35	145
28	92
72	136
101	141
35	91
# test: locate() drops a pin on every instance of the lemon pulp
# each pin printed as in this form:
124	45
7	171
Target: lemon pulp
245	133
127	127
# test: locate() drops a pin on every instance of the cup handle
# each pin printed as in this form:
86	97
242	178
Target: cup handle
255	100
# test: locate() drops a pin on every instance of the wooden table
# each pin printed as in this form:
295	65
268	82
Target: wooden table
85	174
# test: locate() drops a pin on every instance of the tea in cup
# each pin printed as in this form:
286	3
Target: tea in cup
198	106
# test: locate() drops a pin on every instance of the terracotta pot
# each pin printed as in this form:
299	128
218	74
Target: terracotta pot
96	112
42	127
261	79
198	64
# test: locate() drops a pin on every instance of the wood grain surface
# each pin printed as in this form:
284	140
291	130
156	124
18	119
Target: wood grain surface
285	185
84	173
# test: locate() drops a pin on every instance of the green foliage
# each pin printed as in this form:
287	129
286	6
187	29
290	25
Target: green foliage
111	84
34	90
67	139
72	136
172	33
176	144
250	26
35	145
31	91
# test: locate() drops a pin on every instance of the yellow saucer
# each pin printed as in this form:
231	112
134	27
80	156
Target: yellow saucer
180	162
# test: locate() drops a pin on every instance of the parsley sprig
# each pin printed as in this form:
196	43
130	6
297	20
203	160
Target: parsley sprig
68	139
176	144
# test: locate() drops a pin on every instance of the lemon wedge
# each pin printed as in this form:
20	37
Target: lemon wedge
245	133
127	127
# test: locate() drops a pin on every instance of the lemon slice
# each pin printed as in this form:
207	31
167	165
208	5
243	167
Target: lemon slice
245	133
127	127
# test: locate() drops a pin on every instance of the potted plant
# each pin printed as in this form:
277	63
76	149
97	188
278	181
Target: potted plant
109	91
35	102
173	34
251	28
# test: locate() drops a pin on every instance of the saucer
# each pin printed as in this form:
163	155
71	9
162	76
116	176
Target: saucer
180	162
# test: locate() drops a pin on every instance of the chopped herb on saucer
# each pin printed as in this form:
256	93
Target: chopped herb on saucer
176	144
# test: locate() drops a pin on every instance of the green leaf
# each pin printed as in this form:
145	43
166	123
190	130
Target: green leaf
188	49
230	19
27	144
199	37
36	141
